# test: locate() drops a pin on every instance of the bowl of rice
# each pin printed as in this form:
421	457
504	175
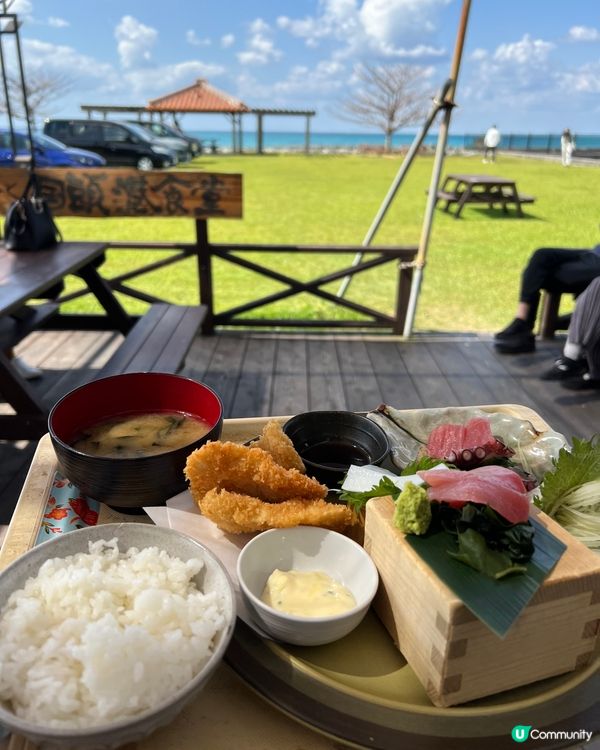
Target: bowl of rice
107	632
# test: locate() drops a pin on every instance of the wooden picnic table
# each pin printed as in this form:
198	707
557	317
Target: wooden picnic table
25	276
460	189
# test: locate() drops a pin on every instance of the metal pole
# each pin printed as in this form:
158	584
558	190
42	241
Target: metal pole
9	112
437	168
438	102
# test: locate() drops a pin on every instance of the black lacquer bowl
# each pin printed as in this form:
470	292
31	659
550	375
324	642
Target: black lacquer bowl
130	482
330	441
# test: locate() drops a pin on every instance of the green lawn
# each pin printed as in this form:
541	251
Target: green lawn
471	279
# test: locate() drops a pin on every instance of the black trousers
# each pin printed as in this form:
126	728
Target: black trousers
557	269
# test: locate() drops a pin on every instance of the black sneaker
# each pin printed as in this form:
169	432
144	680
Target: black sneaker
518	343
517	326
564	368
582	383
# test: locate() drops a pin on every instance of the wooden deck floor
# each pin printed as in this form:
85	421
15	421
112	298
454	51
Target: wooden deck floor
259	374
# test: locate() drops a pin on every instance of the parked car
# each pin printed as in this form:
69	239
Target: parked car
47	151
163	130
121	144
175	143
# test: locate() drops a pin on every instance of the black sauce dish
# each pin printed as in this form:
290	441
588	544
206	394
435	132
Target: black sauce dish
130	483
330	441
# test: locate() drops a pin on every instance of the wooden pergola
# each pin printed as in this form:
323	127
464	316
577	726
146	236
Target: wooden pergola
202	98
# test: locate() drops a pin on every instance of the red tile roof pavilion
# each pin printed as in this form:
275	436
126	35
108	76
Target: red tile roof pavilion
199	97
202	98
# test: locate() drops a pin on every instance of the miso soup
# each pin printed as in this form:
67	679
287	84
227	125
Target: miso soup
138	435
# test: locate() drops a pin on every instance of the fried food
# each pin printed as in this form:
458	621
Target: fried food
244	488
248	471
238	514
277	443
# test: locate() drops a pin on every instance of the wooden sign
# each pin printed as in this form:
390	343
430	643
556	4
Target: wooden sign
103	192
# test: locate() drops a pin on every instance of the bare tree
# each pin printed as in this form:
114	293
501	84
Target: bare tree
42	87
388	98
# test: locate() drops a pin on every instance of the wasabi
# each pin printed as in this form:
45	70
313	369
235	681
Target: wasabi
412	511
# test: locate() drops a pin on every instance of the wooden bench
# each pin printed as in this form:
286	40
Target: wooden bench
158	342
160	339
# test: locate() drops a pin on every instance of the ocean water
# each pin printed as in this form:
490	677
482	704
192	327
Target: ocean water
274	140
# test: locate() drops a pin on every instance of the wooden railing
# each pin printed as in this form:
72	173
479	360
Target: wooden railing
201	196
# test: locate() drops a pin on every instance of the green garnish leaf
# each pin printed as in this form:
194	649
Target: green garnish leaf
358	500
420	464
473	551
572	469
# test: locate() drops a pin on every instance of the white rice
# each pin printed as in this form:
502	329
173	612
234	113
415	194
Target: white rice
102	636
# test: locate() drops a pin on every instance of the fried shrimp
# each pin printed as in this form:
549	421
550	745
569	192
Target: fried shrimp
277	443
248	471
238	514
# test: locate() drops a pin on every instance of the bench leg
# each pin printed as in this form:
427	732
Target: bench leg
31	419
550	307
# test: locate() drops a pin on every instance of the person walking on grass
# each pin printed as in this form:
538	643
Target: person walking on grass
491	141
567	146
579	367
553	269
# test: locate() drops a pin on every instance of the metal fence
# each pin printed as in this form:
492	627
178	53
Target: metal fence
585	145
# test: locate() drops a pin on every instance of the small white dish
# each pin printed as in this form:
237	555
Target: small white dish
306	548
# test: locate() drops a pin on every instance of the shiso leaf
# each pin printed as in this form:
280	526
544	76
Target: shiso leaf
358	500
572	469
424	463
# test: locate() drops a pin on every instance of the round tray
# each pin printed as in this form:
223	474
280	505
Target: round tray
360	690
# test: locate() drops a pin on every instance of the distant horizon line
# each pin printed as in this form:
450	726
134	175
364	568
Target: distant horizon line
397	132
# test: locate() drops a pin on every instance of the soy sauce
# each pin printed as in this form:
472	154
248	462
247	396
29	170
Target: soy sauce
336	454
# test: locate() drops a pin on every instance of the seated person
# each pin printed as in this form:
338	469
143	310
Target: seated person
579	367
552	269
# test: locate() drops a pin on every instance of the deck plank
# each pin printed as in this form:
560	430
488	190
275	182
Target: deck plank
258	374
254	391
325	384
290	377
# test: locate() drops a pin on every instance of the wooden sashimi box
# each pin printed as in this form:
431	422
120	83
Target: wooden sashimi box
455	656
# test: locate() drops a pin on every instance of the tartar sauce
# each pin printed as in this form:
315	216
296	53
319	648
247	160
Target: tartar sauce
306	593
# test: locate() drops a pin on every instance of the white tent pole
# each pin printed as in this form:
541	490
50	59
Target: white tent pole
436	172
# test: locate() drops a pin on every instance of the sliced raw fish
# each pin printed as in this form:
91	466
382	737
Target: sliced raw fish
466	445
500	488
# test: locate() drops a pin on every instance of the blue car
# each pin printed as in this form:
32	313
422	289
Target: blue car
48	152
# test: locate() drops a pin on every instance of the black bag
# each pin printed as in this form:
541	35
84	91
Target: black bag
29	224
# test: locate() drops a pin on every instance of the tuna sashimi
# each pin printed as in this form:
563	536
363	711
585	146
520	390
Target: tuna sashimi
500	488
466	445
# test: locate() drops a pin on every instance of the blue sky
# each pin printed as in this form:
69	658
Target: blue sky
528	65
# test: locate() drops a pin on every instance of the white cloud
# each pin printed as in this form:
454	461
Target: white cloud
527	51
392	28
147	83
21	7
303	86
192	38
135	41
583	34
585	80
479	54
227	40
57	23
260	48
520	74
